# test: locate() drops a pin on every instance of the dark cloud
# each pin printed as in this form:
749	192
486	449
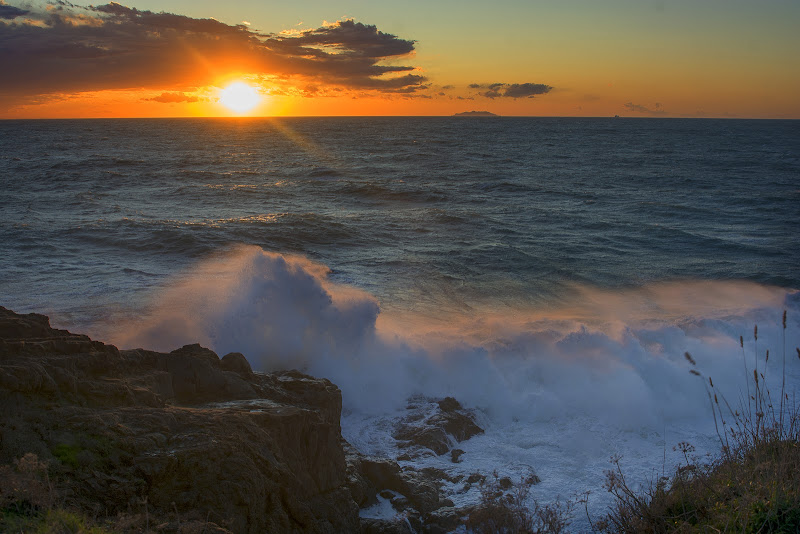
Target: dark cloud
62	48
10	12
657	108
526	90
172	98
511	90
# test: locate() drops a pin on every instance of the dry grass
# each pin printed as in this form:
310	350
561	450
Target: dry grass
754	485
27	502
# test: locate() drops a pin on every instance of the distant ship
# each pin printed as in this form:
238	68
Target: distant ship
475	114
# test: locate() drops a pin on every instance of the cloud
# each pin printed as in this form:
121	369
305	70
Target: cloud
172	98
10	12
511	90
657	109
64	48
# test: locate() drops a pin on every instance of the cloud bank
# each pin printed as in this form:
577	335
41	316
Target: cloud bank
59	47
657	109
511	90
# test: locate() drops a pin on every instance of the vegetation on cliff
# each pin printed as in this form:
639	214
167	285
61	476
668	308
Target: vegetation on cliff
753	486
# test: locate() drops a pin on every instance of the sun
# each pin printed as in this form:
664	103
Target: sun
239	97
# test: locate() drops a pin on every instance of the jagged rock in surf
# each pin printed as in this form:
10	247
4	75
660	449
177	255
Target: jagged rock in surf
434	428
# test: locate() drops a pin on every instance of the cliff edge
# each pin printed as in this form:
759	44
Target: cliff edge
175	437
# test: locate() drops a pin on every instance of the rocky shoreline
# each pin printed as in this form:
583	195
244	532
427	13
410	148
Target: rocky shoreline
178	441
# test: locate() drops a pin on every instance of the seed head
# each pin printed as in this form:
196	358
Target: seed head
689	358
767	354
755	332
694	372
741	341
710	382
784	319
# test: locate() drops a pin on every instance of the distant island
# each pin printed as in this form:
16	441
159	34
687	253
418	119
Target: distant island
475	114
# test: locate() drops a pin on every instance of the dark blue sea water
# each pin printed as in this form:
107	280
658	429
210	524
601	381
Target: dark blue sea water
540	269
410	209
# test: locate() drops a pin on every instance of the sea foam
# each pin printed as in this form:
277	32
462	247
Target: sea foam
616	355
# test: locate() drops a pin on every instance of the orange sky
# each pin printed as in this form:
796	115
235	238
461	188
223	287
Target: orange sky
581	58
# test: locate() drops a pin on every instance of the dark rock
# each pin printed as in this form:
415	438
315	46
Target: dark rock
17	326
383	474
385	526
434	473
425	436
434	431
475	477
449	404
183	432
362	490
422	491
445	519
399	502
199	352
455	455
236	362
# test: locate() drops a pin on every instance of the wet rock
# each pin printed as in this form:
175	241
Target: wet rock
399	502
361	488
383	474
434	428
445	519
475	477
449	404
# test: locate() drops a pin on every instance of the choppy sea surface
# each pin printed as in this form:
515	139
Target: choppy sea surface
549	273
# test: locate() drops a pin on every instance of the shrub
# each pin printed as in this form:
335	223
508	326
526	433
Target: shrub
25	487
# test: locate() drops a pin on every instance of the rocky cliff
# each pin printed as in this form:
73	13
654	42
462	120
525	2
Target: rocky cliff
180	435
191	442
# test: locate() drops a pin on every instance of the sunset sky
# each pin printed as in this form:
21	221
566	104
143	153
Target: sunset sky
172	58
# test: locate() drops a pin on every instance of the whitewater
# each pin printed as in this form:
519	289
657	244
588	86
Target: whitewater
550	274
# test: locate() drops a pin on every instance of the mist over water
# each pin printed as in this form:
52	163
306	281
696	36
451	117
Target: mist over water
614	355
548	273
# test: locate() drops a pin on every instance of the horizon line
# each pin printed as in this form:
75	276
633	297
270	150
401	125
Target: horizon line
453	116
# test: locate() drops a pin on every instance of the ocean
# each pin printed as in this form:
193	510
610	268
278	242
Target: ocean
549	273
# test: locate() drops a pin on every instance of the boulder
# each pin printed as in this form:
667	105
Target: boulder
236	362
433	428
